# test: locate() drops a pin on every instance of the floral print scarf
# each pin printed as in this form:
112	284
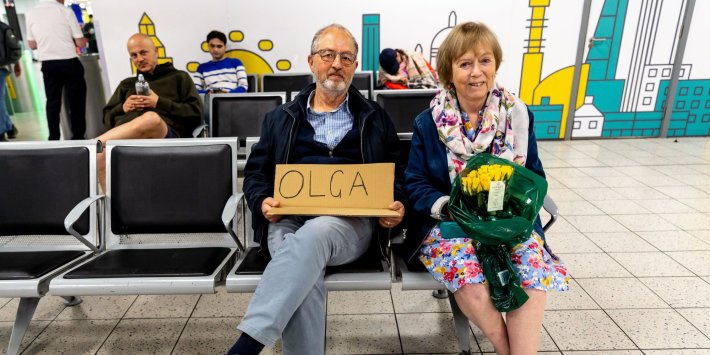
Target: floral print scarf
503	129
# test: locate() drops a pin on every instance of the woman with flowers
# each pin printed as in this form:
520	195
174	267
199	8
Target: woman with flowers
473	114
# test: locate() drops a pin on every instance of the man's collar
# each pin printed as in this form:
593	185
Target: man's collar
312	95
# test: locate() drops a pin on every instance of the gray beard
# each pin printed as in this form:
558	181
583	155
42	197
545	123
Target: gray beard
331	87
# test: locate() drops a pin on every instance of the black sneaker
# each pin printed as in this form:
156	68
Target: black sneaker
12	134
2	138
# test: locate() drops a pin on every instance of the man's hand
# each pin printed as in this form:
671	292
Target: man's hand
150	101
266	206
133	103
140	102
18	69
391	222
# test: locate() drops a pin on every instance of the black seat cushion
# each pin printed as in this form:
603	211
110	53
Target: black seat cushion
152	263
28	265
256	260
170	189
38	188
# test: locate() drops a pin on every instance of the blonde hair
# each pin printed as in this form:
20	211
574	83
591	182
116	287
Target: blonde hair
463	38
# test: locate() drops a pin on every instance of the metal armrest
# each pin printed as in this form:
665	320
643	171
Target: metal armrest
228	214
200	131
551	208
75	214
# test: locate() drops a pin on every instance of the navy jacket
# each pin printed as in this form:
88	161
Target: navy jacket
427	177
378	141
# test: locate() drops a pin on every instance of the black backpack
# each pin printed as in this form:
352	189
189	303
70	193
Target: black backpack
10	47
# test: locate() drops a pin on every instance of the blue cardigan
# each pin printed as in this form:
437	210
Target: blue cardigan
427	177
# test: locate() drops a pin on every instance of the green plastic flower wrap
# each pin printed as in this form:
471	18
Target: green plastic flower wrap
496	231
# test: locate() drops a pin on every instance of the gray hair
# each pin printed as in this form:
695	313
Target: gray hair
316	37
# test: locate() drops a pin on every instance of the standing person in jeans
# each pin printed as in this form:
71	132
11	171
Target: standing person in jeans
53	30
6	126
329	122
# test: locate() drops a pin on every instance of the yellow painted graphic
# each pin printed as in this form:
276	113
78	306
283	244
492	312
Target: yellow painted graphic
147	27
557	86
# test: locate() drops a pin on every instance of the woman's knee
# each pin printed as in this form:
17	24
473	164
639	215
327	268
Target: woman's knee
475	294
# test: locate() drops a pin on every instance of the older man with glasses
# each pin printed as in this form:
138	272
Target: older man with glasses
327	123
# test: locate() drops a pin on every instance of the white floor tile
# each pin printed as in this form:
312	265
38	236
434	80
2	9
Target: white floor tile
647	264
674	241
612	207
659	329
621	293
574	298
596	224
689	221
665	205
585	330
359	302
680	292
699	204
363	334
699	317
593	265
620	242
574	242
644	222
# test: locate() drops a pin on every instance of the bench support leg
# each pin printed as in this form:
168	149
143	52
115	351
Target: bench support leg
71	301
25	311
463	330
439	294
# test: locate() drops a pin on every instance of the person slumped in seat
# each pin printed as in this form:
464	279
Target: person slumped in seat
405	70
328	124
221	74
172	108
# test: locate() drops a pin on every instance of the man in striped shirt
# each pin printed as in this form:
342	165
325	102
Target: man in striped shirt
221	74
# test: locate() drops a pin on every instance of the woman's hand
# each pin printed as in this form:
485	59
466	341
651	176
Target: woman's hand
391	222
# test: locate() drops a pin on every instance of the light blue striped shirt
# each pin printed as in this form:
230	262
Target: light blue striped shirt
331	126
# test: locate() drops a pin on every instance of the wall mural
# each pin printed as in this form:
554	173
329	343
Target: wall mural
610	104
624	76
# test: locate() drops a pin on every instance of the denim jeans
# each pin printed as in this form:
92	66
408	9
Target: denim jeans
5	123
290	300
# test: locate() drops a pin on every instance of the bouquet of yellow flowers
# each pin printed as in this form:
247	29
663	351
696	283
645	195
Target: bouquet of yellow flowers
495	202
478	183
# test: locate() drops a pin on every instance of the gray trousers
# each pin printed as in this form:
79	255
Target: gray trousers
290	300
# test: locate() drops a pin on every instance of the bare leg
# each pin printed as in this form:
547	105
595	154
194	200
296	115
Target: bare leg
524	324
475	303
148	125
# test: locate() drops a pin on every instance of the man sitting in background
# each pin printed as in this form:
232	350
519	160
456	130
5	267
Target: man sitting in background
221	74
172	108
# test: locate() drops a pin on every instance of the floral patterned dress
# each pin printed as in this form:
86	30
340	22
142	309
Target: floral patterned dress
454	263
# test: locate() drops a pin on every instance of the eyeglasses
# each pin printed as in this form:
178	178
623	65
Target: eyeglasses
328	56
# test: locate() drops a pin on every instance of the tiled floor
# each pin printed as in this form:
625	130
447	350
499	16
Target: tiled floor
634	231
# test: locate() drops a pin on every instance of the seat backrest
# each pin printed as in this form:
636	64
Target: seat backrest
285	82
363	82
403	106
251	82
240	115
41	182
176	186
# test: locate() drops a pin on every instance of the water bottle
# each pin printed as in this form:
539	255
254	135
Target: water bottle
142	87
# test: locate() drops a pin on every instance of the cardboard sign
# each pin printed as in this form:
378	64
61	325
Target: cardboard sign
363	190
